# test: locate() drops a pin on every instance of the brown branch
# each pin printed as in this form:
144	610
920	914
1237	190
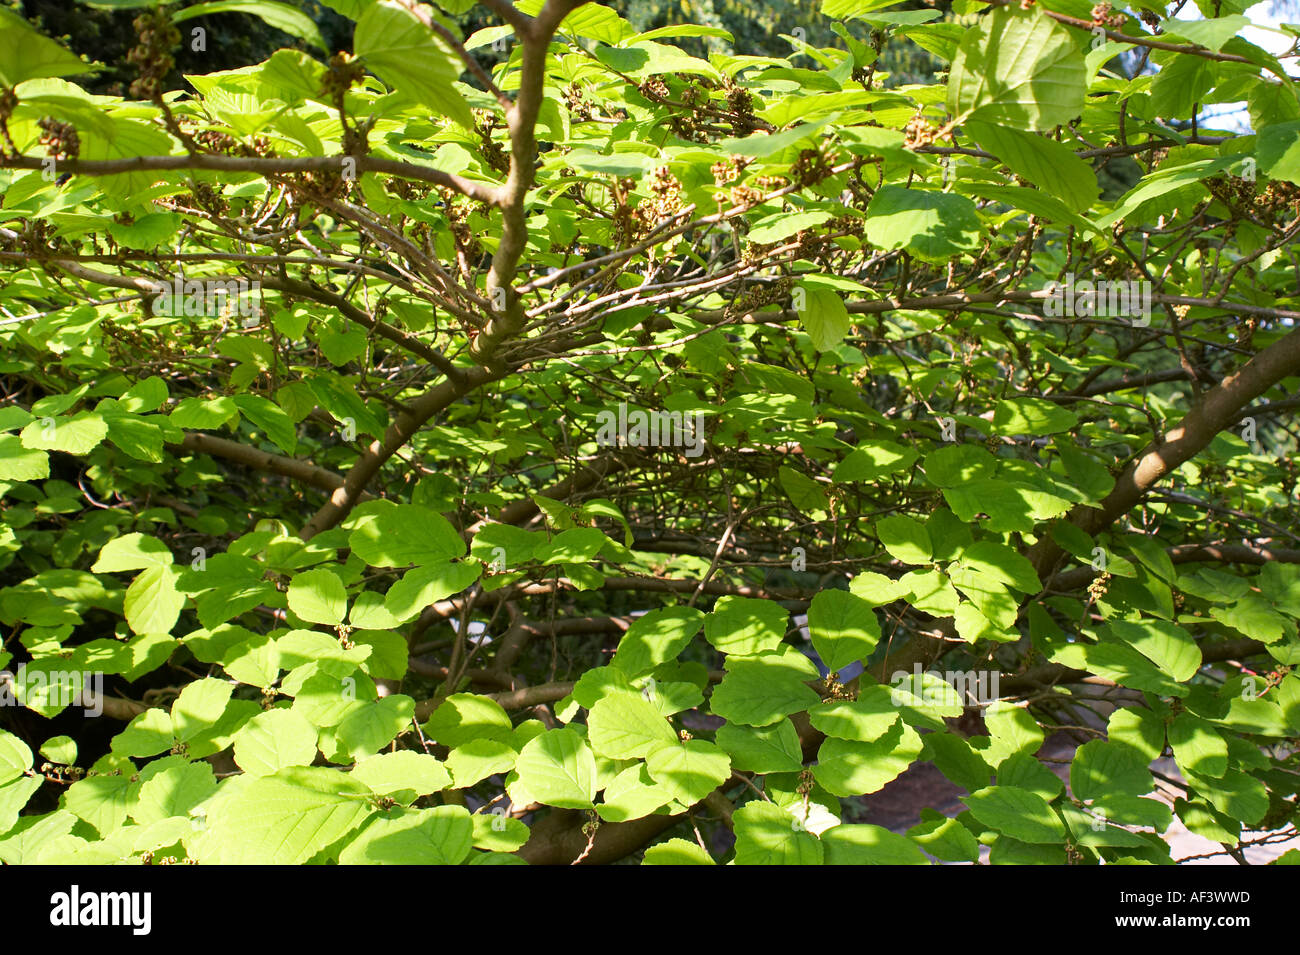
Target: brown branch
365	319
483	192
403	428
1219	408
1051	674
1227	553
304	471
558	839
519	699
508	12
587	477
1124	383
521	120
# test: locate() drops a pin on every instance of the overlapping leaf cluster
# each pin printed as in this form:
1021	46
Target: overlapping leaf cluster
353	561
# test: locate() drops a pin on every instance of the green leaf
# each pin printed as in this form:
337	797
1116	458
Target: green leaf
849	9
57	749
270	417
1026	772
317	596
26	54
760	146
498	833
632	794
1017	69
402	771
407	55
19	463
148	734
782	225
102	801
958	464
427	584
255	661
15	757
869	845
1012	730
1255	617
443	835
199	706
1278	150
999	562
476	760
865	719
282	819
944	838
1101	768
768	835
995	602
804	493
1044	162
933	225
1182	83
402	534
688	770
745	625
558	768
278	15
368	612
274	739
462	717
517	545
152	603
656	638
844	628
854	768
79	434
763	689
132	552
1031	416
676	852
372	726
1198	746
762	749
958	760
1212	33
577	545
1238	796
625	726
824	317
872	460
1120	663
1167	645
905	539
138	437
877	589
1018	813
14	795
173	790
1024	201
197	413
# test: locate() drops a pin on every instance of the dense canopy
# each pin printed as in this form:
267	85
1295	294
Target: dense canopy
520	435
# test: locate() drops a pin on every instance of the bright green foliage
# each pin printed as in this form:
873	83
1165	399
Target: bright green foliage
427	454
